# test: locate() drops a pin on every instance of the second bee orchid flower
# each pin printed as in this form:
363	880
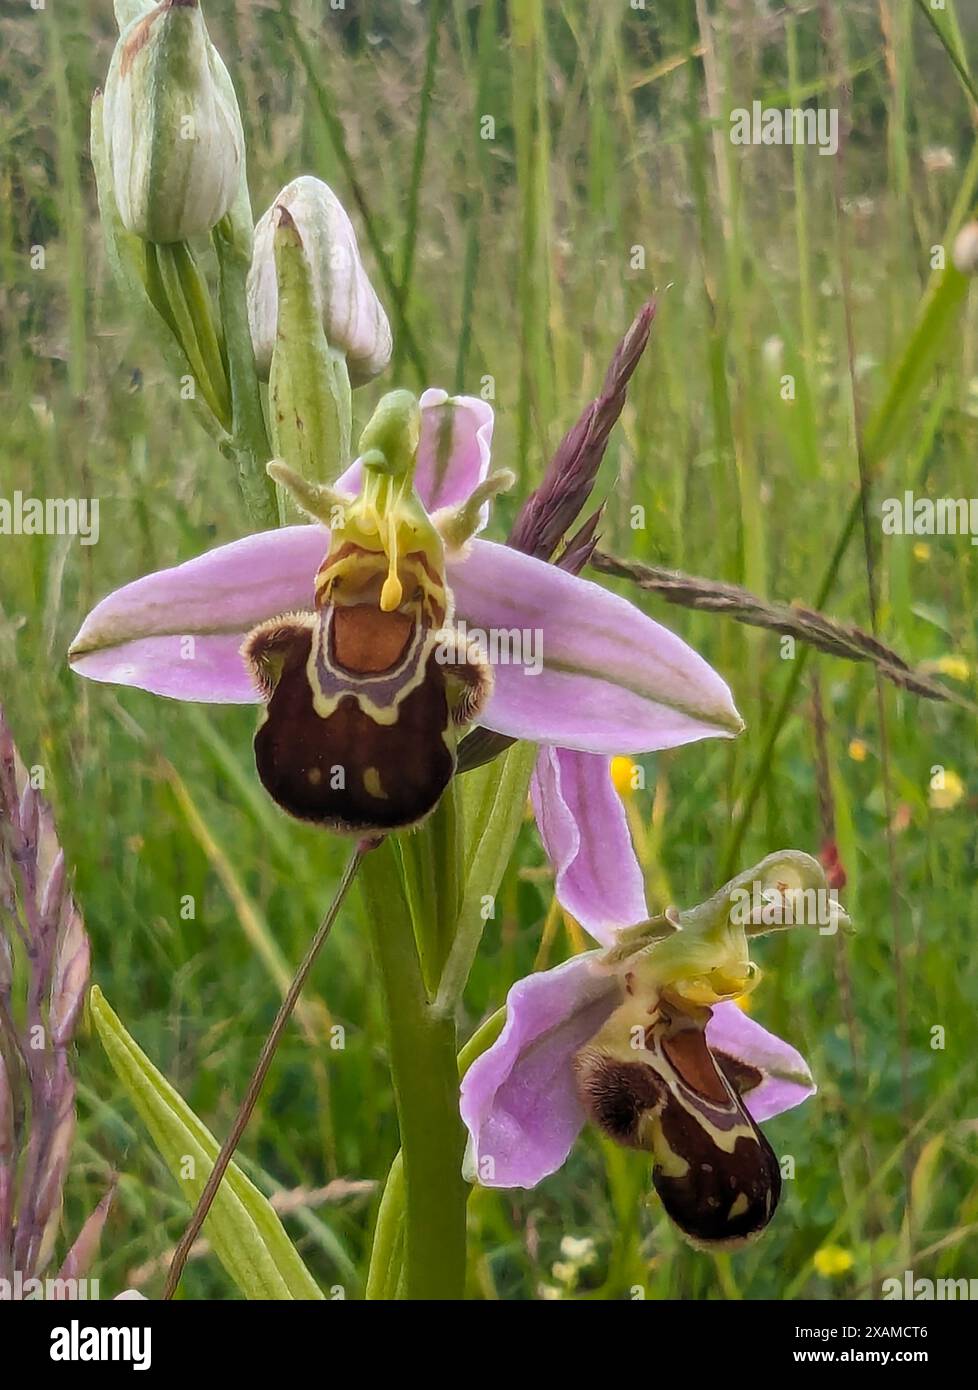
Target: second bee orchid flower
641	1038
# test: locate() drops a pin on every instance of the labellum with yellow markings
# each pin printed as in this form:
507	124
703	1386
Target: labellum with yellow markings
365	695
656	1084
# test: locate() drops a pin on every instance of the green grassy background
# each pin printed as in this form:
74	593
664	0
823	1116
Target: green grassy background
610	134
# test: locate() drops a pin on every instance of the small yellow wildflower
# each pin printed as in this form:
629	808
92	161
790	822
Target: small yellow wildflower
858	750
623	774
831	1261
946	790
921	550
954	666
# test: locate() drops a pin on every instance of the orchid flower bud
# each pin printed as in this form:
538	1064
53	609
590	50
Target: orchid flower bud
352	316
172	126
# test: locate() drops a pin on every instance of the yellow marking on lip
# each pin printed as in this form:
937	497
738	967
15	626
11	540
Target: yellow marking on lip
371	781
392	593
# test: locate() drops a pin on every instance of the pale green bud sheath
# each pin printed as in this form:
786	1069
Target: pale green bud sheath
309	396
172	127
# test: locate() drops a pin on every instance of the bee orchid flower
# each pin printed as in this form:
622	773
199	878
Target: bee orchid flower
368	635
642	1037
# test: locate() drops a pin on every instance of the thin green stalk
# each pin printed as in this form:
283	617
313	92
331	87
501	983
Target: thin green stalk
71	197
803	255
249	437
267	1056
532	143
836	44
486	47
950	47
417	166
425	1078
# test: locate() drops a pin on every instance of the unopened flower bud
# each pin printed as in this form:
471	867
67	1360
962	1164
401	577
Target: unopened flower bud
172	127
965	251
352	316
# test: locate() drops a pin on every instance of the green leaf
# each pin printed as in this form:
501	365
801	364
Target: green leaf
938	319
493	801
247	1236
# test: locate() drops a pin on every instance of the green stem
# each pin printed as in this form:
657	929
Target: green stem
181	296
425	1078
430	867
386	1271
249	438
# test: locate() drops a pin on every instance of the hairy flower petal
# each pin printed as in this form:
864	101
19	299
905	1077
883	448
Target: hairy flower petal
519	1099
585	832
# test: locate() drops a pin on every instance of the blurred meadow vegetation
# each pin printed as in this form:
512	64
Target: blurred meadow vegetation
521	260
